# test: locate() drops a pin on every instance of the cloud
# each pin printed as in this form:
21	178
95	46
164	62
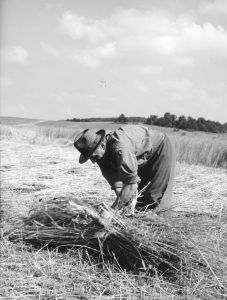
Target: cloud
15	54
93	57
183	84
79	27
49	49
5	82
150	69
204	38
184	61
144	35
139	86
214	7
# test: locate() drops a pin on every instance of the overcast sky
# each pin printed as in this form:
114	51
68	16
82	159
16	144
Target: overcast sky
100	58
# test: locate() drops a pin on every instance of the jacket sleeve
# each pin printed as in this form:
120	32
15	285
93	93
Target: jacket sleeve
127	165
112	177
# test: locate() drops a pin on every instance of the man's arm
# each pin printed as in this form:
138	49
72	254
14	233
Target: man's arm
124	195
118	193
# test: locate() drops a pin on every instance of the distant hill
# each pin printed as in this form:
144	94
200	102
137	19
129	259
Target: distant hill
167	123
17	121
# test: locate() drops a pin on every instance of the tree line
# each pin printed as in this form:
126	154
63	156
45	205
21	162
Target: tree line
187	123
168	120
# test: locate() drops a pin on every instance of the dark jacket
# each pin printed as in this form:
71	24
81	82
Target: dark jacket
127	150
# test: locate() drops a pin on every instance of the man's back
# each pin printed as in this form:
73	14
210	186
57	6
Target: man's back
128	148
138	139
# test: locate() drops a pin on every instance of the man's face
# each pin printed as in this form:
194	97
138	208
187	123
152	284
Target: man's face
98	154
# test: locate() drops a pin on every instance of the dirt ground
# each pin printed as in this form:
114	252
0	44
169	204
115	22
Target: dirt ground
31	172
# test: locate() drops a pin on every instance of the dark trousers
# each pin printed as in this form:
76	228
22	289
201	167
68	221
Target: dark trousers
157	176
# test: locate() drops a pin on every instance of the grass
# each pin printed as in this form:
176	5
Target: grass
29	274
164	248
208	151
192	148
38	134
34	171
74	274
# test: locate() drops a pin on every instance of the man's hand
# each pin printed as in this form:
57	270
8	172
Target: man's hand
118	193
127	193
115	204
126	196
129	210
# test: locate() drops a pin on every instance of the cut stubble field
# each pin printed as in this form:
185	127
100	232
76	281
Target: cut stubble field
34	170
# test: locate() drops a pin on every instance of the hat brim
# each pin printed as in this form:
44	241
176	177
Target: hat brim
83	158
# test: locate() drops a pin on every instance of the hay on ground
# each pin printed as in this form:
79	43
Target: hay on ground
145	242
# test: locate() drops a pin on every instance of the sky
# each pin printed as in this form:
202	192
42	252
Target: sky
100	58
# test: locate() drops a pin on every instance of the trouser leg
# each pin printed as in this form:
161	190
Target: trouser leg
157	175
167	200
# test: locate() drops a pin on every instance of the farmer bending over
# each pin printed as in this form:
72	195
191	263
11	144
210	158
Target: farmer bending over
132	158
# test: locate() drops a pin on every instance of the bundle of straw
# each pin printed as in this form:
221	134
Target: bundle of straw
141	243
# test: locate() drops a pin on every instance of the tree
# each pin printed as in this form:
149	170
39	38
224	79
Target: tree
151	120
121	119
169	119
191	123
161	122
181	122
201	123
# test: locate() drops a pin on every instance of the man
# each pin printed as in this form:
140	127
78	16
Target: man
132	158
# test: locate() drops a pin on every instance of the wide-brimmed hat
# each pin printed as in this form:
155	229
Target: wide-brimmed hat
87	142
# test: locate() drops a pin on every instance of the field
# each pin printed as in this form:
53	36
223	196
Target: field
38	162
